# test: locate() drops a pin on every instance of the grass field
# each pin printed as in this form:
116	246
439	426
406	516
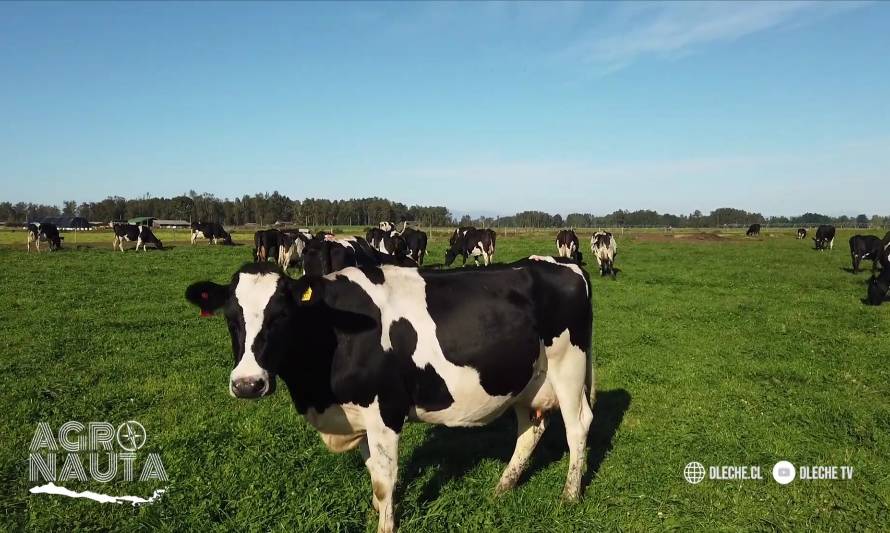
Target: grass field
709	348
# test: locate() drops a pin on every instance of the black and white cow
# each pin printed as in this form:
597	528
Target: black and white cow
879	285
865	247
388	242
363	351
265	244
329	254
753	230
290	249
458	234
567	245
824	237
801	233
472	242
604	249
415	243
211	231
140	234
387	226
44	232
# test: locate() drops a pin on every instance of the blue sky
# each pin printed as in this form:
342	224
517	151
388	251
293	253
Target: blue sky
486	108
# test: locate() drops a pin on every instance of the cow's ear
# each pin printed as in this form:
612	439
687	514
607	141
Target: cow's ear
207	295
309	290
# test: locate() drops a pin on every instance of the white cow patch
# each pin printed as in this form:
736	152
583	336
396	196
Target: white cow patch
403	295
253	294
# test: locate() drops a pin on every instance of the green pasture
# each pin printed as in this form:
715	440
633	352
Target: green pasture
709	347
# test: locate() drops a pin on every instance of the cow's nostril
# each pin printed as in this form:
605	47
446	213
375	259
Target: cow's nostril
248	387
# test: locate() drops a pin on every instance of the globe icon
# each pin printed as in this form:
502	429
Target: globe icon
694	472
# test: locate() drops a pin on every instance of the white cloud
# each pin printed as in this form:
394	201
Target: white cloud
671	29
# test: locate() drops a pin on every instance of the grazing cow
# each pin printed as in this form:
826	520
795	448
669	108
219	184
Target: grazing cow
475	243
265	244
879	285
140	234
329	254
459	233
291	248
44	232
363	351
865	247
753	230
415	244
604	249
567	245
801	233
824	237
211	231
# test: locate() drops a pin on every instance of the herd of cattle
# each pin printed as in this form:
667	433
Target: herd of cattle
324	253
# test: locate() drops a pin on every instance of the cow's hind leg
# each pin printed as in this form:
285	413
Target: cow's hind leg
528	432
567	372
380	450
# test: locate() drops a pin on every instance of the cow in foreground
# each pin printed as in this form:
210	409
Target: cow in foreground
141	235
211	231
604	249
879	285
567	245
473	242
362	351
801	233
824	237
865	247
753	231
44	232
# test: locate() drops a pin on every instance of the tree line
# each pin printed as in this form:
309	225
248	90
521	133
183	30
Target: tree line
266	209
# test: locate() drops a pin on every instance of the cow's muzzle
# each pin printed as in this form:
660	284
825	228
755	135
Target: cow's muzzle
252	387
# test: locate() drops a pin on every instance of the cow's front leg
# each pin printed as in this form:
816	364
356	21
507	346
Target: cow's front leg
380	450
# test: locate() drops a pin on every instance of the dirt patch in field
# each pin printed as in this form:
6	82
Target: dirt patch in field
674	237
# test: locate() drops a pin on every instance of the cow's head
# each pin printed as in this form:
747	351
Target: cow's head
260	305
450	255
273	321
877	289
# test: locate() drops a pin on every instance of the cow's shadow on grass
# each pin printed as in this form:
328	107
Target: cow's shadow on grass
452	452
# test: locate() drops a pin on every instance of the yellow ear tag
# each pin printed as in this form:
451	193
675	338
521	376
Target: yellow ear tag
307	295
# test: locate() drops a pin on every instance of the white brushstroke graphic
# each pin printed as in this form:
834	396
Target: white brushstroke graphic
52	488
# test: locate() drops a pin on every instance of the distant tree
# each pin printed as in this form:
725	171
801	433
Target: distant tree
862	221
69	208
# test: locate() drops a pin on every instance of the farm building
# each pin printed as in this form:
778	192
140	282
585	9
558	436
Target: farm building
171	224
145	221
67	223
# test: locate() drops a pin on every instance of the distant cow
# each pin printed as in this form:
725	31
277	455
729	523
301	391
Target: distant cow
211	231
140	234
604	249
878	285
415	244
801	233
753	230
475	243
865	247
265	245
567	245
322	256
44	232
824	237
459	233
290	249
